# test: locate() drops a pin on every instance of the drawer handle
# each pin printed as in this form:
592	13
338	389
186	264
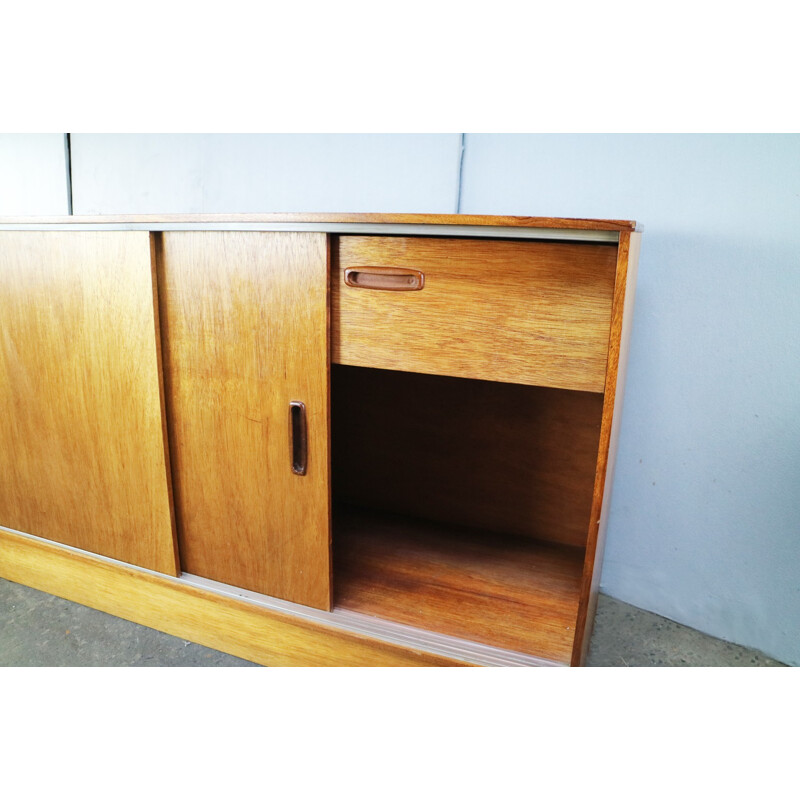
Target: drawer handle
390	279
298	433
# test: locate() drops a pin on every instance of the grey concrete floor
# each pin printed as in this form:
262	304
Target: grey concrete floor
40	630
627	636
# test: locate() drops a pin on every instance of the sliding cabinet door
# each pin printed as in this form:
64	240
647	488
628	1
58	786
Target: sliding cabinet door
82	444
245	330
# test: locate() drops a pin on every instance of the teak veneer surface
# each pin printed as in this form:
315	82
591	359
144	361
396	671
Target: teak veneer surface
245	334
521	312
509	592
500	456
82	444
386	219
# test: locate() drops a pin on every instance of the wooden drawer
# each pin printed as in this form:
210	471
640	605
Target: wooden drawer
520	312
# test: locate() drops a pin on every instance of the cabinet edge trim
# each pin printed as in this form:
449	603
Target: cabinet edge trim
386	229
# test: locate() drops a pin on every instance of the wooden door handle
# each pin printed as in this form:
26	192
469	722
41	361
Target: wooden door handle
390	279
298	436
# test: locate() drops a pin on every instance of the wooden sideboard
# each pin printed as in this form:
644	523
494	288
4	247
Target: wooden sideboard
317	439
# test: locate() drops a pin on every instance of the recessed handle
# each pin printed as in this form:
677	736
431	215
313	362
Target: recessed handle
390	279
298	435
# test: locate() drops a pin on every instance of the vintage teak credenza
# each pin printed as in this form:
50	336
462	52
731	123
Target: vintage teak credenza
317	439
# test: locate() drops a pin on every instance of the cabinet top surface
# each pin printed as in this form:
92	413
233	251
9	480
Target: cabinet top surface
560	223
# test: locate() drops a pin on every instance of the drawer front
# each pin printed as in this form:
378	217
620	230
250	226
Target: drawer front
520	312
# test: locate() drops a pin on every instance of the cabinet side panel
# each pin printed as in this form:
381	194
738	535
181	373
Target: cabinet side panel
621	321
82	454
244	323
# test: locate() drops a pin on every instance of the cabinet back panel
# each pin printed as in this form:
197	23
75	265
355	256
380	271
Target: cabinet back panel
245	326
82	446
503	457
537	313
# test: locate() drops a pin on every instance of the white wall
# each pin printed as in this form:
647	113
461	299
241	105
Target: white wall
705	516
138	174
33	174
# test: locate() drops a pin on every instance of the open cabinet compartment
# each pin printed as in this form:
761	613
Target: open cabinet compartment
462	506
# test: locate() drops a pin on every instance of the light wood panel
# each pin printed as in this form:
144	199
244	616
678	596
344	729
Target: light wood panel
387	219
82	449
245	333
224	623
619	341
508	592
522	312
499	456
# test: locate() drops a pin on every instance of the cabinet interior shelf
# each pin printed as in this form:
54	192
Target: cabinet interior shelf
506	591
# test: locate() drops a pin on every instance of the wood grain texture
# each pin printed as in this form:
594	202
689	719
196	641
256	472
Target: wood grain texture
624	290
245	326
82	448
514	593
388	219
521	312
497	456
224	623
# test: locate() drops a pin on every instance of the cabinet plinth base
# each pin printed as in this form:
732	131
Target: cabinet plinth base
266	631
